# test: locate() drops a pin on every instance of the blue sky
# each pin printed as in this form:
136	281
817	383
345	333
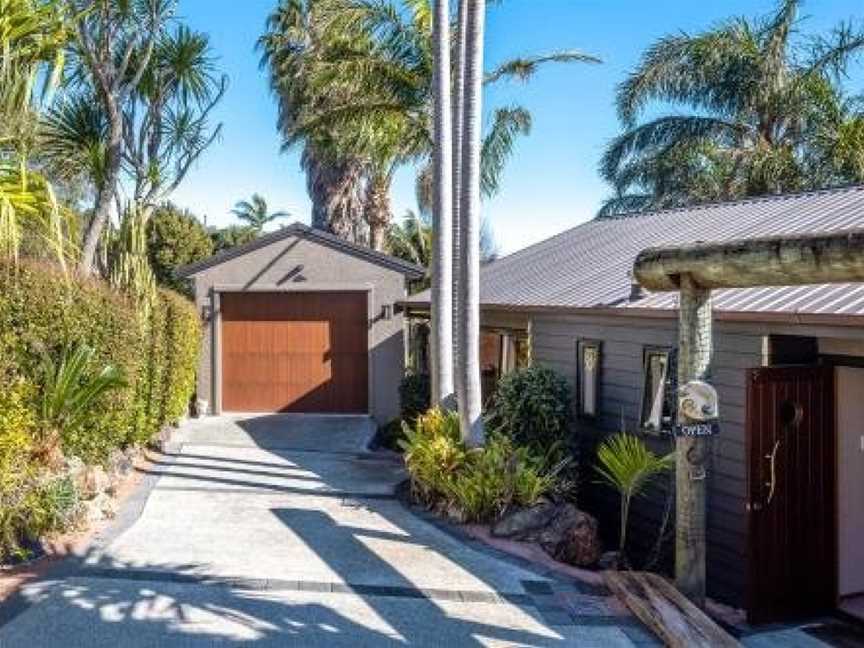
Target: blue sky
550	185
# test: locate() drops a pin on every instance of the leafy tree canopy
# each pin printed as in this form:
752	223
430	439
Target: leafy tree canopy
175	237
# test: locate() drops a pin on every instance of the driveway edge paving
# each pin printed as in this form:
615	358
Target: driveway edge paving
561	600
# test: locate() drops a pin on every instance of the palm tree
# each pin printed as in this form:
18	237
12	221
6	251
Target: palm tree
627	465
295	40
764	116
255	213
355	78
470	398
33	34
412	239
442	209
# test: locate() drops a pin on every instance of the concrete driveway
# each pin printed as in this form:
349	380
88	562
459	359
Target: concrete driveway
282	530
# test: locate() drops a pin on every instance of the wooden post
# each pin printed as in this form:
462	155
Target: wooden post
694	359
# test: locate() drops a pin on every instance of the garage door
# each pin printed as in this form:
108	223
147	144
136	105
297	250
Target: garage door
295	352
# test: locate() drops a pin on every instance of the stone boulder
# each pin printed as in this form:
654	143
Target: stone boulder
120	466
524	522
562	531
94	480
572	538
101	507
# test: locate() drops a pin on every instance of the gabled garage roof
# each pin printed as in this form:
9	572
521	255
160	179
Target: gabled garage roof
410	270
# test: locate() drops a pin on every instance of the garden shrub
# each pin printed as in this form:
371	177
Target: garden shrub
478	485
156	350
43	311
32	502
415	395
533	407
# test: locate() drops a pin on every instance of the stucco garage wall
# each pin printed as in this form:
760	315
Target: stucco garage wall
298	263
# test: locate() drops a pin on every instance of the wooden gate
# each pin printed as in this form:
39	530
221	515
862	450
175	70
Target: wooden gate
791	446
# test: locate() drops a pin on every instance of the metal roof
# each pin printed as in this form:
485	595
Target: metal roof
299	229
589	266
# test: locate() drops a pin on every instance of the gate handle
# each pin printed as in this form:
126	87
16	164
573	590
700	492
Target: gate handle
773	483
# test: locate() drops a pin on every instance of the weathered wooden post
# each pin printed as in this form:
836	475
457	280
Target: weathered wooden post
694	359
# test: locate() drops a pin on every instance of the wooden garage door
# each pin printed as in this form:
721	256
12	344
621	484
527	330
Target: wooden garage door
295	352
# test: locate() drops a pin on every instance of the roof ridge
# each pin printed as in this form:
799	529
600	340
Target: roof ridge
300	229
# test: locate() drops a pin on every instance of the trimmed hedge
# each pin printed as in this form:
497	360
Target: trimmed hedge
182	346
42	311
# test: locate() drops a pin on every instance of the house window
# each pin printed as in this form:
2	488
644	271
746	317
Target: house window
588	377
658	392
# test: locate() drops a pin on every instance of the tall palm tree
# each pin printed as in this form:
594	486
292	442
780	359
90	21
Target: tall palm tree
366	91
295	41
115	42
470	398
442	211
255	213
765	116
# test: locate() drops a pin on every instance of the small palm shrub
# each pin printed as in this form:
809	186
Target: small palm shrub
532	406
72	386
628	465
476	485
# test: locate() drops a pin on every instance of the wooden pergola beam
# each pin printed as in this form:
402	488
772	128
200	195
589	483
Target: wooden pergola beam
770	261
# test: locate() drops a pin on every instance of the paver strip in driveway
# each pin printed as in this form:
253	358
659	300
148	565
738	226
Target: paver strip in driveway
282	530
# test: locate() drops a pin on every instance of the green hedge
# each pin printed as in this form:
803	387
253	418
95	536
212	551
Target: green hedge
44	312
41	311
181	348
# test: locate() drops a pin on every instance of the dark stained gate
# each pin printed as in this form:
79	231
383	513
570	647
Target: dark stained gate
791	446
295	352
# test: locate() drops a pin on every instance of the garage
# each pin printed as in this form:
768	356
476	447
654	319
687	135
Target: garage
302	322
295	352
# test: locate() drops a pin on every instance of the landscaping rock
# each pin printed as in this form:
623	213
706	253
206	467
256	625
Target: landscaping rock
572	537
120	465
93	482
101	507
75	469
524	521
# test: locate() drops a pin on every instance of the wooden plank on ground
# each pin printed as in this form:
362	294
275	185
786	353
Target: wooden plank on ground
667	612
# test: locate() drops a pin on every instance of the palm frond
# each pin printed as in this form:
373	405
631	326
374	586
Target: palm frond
523	69
498	145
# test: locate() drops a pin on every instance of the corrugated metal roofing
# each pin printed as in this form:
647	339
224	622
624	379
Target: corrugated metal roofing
589	265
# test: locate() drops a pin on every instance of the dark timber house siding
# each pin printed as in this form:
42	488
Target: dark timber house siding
624	340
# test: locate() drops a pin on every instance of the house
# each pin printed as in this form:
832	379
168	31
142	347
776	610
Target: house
301	321
787	361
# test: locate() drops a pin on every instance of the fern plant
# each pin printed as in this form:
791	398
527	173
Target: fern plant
629	466
71	390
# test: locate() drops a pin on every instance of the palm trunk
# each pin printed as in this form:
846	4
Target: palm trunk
470	406
376	209
458	102
442	226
